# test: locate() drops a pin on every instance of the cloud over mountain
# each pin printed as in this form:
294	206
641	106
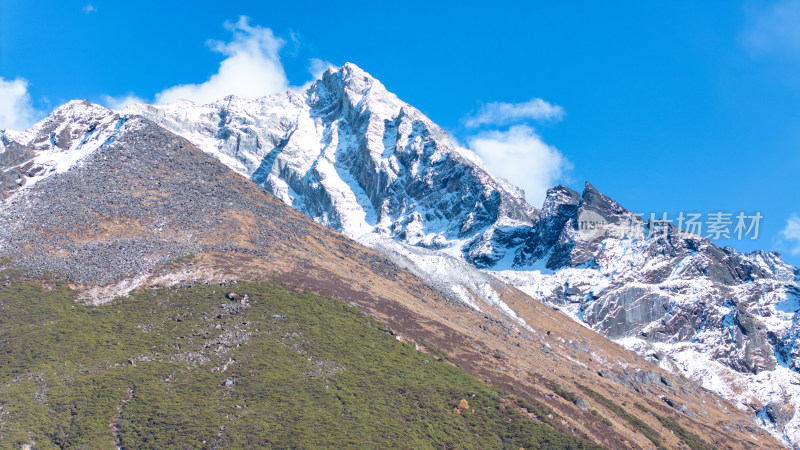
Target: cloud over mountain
521	156
16	109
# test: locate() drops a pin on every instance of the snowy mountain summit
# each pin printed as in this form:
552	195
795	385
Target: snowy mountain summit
351	155
55	144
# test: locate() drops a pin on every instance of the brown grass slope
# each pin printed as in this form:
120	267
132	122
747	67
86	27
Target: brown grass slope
128	216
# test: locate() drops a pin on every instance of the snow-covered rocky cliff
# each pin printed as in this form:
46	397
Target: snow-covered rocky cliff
724	318
351	155
55	144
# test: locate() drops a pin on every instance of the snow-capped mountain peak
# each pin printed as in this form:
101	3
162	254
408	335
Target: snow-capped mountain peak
353	156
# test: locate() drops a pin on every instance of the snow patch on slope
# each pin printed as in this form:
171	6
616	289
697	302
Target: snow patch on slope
463	282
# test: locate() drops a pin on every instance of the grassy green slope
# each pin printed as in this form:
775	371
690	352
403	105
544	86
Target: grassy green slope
189	368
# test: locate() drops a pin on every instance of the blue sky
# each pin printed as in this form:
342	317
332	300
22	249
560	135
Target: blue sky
667	106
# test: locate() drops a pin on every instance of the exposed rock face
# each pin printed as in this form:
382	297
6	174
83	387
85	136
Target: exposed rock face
13	167
712	313
659	285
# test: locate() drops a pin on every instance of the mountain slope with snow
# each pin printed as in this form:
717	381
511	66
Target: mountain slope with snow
141	208
54	145
352	156
726	319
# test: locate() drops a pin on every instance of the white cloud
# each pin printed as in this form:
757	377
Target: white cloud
88	9
504	113
16	108
523	158
119	103
792	233
251	68
316	67
774	29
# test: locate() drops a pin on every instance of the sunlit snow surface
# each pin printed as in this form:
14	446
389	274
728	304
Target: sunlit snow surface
448	274
351	155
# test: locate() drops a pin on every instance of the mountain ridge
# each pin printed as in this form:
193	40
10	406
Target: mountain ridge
151	211
363	161
512	239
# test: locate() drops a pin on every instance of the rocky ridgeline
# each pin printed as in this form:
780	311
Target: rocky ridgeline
127	209
669	287
727	319
55	144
